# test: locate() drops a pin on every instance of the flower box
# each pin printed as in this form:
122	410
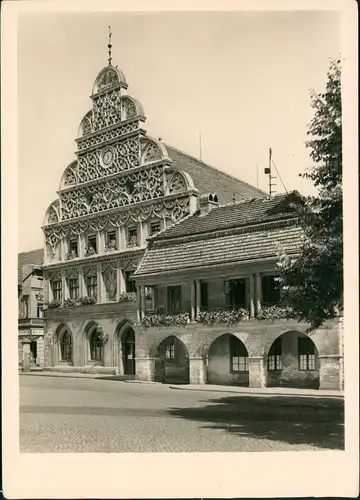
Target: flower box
152	320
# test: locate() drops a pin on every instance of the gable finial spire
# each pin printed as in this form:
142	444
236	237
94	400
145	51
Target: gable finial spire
109	46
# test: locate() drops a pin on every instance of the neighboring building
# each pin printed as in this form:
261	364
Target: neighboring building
31	302
216	315
123	187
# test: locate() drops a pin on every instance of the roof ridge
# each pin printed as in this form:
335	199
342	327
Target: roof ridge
211	166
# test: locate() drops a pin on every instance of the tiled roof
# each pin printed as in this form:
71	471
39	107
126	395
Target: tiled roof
34	257
234	215
208	179
234	246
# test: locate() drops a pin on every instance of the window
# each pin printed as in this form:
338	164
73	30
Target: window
235	293
91	285
174	299
96	346
57	289
26	309
110	241
275	356
132	237
238	355
91	246
154	228
39	310
66	347
270	290
306	352
204	296
73	247
130	285
170	350
73	288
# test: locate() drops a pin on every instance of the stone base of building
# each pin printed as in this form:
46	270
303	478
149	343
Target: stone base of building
90	369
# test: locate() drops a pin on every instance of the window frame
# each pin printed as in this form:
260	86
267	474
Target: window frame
56	290
72	288
274	289
230	293
238	352
92	285
274	360
96	343
130	285
39	310
151	225
310	357
133	229
170	300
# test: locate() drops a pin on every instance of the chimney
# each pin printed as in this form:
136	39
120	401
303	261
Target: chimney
207	202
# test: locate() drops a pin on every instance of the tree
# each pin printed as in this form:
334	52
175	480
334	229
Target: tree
313	281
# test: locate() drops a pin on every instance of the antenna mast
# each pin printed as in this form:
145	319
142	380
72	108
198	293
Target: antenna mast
200	146
267	171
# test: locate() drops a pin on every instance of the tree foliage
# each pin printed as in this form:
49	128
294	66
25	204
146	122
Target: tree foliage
313	281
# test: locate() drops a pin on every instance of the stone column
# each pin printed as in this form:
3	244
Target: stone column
258	292
141	239
257	372
252	296
26	356
197	370
82	288
330	368
198	299
145	369
45	258
81	244
64	288
153	291
99	283
63	249
142	302
100	242
138	305
193	298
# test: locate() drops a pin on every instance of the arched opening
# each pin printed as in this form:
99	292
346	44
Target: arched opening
95	344
128	351
172	362
65	347
228	362
293	361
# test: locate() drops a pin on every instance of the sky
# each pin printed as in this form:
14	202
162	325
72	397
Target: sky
241	79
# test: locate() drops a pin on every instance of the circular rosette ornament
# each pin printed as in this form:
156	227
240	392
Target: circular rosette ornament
107	157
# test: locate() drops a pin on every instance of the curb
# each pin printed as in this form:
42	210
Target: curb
65	375
244	393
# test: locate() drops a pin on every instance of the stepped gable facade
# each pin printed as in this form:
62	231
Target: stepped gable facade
123	187
217	314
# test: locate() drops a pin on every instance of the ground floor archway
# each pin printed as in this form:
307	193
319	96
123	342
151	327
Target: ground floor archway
228	362
293	361
65	346
128	351
172	362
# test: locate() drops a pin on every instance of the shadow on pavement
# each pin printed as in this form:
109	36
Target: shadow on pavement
295	420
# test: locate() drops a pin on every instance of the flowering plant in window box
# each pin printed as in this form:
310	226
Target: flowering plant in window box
127	297
71	255
275	312
228	316
84	301
109	247
53	304
90	251
70	303
151	320
148	293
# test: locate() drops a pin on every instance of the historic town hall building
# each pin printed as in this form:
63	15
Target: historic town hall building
122	188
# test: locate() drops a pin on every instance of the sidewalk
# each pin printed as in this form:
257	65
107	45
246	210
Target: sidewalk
266	391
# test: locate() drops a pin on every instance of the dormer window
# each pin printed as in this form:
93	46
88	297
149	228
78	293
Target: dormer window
132	237
73	249
110	241
91	248
154	228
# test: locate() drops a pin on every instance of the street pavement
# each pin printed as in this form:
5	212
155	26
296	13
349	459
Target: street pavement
93	415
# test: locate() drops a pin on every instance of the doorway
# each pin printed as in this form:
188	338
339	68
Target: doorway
128	349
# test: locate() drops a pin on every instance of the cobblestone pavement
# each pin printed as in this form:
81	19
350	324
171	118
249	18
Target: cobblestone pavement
91	415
